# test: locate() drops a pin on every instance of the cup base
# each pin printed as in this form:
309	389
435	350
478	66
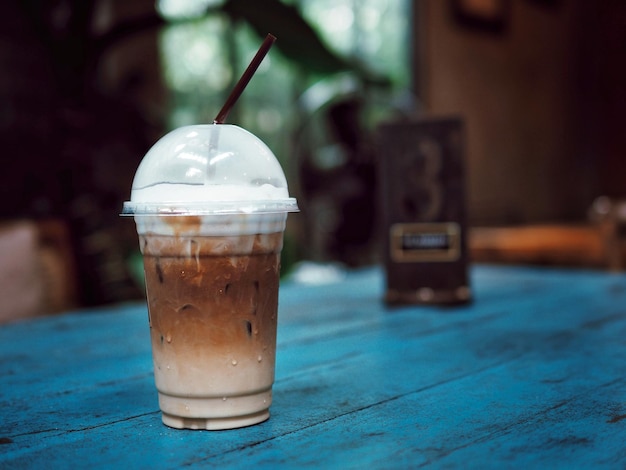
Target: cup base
214	424
213	413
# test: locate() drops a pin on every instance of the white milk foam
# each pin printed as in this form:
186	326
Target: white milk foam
175	200
171	192
213	225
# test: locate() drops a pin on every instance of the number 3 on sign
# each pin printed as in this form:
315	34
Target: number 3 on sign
424	167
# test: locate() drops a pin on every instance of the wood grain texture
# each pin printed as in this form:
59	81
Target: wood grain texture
553	245
531	374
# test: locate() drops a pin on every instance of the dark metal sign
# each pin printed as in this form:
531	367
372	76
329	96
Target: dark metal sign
423	206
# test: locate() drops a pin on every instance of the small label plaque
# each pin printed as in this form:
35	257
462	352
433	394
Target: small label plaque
412	243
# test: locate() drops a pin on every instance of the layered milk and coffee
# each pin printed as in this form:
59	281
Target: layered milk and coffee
210	203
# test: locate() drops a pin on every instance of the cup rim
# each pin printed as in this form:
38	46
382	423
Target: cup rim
131	208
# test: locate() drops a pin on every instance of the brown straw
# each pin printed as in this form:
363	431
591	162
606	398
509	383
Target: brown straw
245	78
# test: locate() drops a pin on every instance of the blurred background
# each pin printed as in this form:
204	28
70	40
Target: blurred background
89	85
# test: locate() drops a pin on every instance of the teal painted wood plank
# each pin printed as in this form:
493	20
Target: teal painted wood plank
456	425
417	384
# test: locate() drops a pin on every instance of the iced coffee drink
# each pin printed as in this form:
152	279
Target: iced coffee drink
212	262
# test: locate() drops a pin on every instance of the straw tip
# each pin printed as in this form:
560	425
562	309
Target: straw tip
245	78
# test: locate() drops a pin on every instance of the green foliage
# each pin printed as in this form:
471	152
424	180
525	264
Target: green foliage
299	42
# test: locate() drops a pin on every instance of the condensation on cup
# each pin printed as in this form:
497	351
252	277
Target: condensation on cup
210	203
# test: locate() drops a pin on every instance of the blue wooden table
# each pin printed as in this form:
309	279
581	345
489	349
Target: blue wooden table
531	375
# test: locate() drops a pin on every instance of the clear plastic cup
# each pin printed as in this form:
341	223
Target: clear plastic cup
210	203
